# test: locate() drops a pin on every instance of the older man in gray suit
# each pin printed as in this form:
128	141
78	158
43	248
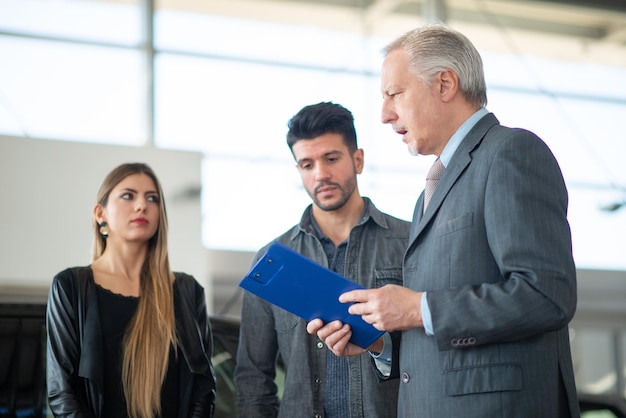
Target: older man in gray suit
489	278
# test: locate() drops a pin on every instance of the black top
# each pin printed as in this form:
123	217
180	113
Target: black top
116	312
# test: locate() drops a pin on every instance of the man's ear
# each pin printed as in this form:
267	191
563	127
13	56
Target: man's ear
359	160
449	84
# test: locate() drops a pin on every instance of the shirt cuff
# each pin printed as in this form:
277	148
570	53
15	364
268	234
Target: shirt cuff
426	317
383	359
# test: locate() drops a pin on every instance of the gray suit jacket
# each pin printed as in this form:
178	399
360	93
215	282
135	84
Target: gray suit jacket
493	251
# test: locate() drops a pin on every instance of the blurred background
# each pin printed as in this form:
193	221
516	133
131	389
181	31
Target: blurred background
202	90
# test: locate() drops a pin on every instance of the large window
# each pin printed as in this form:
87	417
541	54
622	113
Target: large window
606	374
226	86
81	21
51	89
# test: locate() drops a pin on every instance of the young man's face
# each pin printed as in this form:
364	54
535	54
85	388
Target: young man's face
328	169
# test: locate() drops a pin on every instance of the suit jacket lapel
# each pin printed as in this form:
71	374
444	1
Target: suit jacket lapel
460	160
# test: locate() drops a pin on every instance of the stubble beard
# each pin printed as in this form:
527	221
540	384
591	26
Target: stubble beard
346	193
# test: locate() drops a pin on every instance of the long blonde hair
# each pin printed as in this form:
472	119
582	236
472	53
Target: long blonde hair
152	330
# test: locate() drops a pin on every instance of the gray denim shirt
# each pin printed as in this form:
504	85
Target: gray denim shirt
374	256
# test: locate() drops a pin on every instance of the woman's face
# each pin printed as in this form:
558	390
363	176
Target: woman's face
132	211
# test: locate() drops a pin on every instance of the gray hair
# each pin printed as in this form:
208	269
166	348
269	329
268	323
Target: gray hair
435	47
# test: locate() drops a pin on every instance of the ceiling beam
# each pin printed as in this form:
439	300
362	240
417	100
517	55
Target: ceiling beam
377	11
434	11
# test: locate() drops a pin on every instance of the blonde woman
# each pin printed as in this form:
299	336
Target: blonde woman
127	337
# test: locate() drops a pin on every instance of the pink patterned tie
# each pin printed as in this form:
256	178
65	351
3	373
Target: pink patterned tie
432	178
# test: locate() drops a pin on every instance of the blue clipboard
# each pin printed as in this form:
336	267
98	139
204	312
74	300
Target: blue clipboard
307	289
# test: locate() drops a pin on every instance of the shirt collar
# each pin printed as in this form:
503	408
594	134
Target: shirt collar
318	231
370	212
455	140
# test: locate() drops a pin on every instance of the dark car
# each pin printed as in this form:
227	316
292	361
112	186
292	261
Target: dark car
225	340
601	406
23	357
22	360
226	336
22	367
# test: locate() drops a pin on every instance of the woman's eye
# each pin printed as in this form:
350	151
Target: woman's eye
126	196
153	199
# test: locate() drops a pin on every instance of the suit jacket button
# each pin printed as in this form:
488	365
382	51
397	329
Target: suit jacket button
454	342
405	377
472	340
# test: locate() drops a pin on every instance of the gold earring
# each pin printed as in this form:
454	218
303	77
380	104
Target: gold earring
103	229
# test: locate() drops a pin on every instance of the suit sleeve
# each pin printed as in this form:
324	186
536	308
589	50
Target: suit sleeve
526	238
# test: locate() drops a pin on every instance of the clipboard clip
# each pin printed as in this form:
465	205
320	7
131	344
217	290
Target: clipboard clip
263	274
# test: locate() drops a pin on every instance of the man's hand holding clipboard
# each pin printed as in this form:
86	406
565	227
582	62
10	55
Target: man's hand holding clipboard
291	281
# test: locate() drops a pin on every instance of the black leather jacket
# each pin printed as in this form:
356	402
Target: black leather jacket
74	358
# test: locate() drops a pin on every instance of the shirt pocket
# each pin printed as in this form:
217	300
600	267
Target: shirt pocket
284	322
387	275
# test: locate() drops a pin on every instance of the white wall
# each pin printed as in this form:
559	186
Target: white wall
47	192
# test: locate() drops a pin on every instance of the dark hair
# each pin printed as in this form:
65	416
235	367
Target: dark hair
319	119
